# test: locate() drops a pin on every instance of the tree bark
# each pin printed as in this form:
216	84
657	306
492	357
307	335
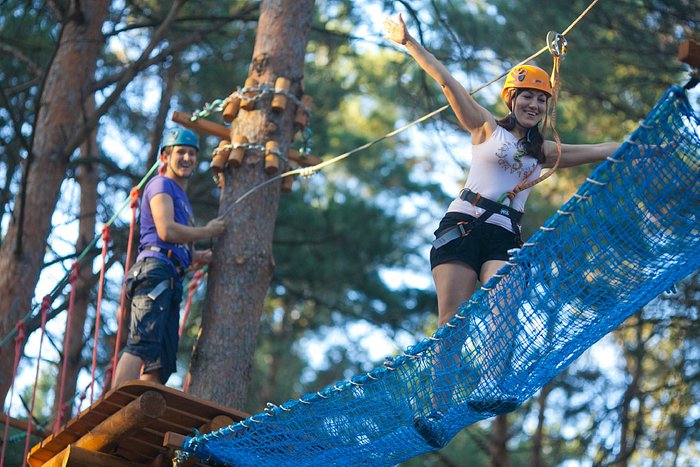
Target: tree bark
60	117
240	275
630	426
539	436
498	442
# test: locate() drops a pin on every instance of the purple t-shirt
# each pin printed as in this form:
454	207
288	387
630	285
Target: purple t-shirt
183	215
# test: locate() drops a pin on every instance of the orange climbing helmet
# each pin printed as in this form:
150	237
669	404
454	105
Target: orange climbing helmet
525	77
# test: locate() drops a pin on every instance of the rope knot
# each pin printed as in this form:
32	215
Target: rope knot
135	195
21	331
106	236
74	269
46	303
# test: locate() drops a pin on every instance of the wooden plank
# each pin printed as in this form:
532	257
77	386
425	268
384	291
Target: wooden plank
186	402
174	440
202	125
117	426
223	132
21	425
138	450
73	456
143	444
689	52
137	413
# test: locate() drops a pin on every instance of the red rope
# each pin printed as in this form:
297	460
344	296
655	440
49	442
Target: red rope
82	397
66	342
192	289
100	290
45	305
135	194
19	343
190	294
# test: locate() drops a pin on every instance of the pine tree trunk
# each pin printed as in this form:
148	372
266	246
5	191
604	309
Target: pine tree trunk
60	117
538	436
240	275
498	442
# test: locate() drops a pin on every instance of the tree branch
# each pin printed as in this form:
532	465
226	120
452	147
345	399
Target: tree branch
15	52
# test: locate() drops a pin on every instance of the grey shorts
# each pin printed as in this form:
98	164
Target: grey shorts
155	292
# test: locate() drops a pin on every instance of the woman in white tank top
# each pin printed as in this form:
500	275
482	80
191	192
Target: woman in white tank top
505	152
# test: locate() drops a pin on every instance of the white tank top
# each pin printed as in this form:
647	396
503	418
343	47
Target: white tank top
498	165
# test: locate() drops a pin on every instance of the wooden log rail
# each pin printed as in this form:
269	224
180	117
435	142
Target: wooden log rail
223	132
140	412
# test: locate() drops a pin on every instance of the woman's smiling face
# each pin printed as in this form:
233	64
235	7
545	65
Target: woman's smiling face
529	107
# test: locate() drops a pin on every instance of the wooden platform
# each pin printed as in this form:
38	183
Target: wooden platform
142	444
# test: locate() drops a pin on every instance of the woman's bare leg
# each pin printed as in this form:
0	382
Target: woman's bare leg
454	283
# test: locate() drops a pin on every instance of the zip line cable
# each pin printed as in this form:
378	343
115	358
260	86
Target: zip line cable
305	171
308	171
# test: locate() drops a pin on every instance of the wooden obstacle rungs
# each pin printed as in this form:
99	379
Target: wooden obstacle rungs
223	132
689	52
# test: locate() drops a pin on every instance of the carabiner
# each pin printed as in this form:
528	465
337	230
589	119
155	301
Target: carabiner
556	43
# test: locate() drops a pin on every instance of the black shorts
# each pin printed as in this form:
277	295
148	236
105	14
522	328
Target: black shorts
485	242
155	292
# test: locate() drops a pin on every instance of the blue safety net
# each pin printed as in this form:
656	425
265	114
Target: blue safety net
628	234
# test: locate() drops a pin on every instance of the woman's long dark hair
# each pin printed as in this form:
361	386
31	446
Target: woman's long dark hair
533	140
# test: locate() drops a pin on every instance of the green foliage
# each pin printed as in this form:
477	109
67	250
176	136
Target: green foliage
342	235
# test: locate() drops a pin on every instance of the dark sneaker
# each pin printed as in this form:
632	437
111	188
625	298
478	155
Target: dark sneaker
427	427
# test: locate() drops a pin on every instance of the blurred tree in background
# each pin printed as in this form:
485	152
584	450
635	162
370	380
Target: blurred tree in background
351	243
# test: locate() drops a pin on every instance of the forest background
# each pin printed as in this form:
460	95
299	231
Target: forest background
351	243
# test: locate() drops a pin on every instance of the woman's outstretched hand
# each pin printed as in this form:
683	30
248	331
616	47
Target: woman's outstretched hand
396	30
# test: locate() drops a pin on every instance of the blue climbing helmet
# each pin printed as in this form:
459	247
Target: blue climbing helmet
180	137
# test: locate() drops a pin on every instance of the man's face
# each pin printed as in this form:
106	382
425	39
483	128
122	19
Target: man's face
181	162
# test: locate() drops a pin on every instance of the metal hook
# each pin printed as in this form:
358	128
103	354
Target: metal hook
556	43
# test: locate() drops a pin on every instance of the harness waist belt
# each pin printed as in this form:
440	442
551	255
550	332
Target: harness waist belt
462	229
491	206
168	254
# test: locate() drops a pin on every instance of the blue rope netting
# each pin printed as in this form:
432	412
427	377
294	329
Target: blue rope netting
628	234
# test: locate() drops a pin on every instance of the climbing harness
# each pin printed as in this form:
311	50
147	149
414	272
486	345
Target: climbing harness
463	229
168	253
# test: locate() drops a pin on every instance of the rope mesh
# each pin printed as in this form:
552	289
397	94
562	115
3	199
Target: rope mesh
630	233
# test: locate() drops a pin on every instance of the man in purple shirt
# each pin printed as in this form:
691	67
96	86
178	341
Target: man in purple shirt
166	250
